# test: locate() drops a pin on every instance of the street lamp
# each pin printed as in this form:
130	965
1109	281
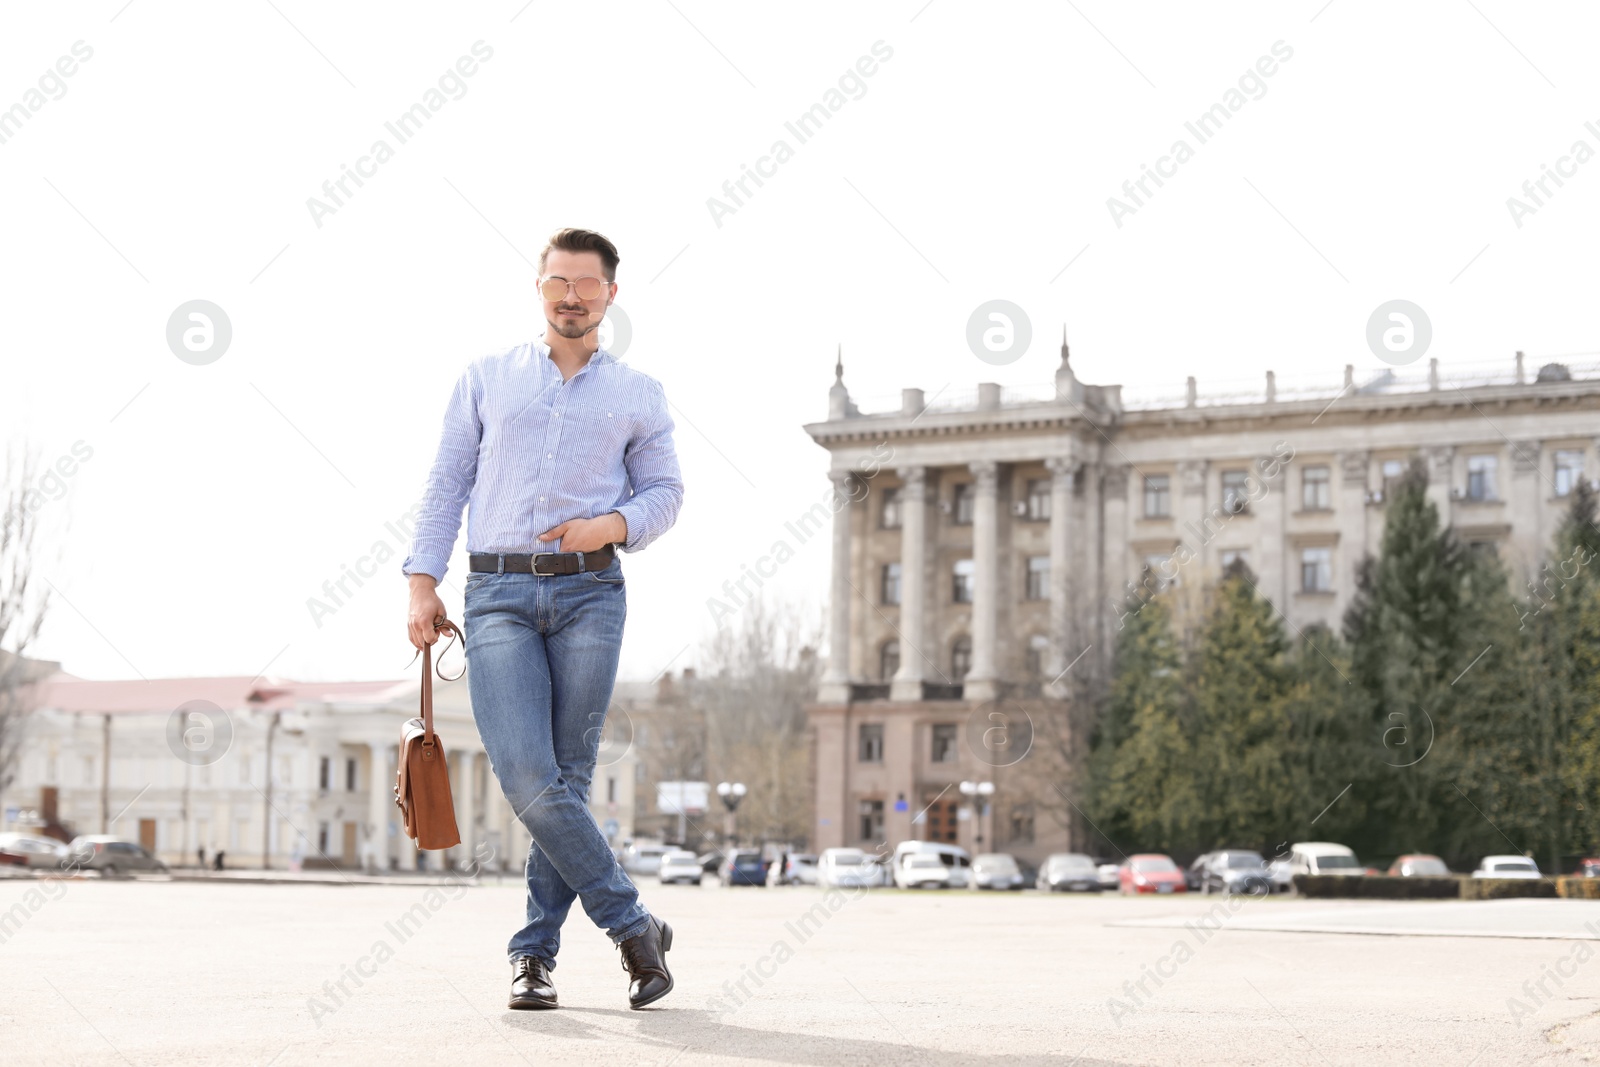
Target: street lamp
983	790
731	793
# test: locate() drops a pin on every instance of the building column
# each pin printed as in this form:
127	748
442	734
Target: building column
907	681
1441	479
1063	471
381	807
1273	508
1526	500
1352	513
468	808
835	684
983	682
1116	583
1189	513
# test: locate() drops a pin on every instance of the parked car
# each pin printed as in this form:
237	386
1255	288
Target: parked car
1151	872
743	866
846	868
1588	868
1236	870
1110	873
881	869
1418	865
1191	876
1281	871
679	865
995	870
1323	857
111	856
1070	872
643	857
711	862
953	868
31	850
1506	867
797	868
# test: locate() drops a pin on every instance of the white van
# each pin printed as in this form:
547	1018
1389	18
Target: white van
1323	857
912	869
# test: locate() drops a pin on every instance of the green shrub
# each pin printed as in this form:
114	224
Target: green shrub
1377	887
1504	888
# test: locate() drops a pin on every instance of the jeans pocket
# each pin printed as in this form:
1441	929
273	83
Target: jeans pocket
613	575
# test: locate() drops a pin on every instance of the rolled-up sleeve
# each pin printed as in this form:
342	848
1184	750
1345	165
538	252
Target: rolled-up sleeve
651	461
450	481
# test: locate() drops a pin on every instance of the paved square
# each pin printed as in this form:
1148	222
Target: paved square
158	973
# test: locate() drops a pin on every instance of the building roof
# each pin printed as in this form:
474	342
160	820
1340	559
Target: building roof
64	692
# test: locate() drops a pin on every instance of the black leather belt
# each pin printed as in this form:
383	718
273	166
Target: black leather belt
542	562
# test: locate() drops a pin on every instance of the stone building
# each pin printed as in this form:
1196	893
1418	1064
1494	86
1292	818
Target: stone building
985	544
267	770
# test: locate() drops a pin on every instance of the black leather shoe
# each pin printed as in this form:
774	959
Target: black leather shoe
644	958
530	984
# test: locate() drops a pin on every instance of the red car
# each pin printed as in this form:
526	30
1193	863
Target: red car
1150	872
1589	868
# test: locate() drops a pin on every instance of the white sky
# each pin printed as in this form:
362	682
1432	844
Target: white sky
976	166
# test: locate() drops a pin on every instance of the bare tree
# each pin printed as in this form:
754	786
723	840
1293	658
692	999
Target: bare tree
22	605
757	673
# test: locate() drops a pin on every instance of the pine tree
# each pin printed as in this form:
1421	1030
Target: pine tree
1141	769
1238	688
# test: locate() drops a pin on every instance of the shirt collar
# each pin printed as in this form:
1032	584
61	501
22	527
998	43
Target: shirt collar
599	359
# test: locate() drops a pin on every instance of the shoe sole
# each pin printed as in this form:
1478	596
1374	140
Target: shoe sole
666	945
531	1005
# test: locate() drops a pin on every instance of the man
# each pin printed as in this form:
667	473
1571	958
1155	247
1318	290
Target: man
560	453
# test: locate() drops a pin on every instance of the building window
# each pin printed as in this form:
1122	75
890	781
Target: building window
960	657
1316	570
962	499
1569	469
872	820
889	517
962	577
322	838
1163	572
1037	654
871	743
1157	496
1235	492
1038	499
611	789
944	742
1038	585
1393	471
890	587
1480	477
1022	825
889	659
324	774
1316	491
1229	556
1484	548
349	776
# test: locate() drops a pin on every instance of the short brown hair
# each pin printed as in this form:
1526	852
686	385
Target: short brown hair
575	240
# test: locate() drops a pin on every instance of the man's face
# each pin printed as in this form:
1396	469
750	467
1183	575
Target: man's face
572	316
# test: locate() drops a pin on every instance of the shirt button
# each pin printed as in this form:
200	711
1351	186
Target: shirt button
549	455
541	499
558	414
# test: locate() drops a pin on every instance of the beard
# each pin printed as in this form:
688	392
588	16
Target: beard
576	327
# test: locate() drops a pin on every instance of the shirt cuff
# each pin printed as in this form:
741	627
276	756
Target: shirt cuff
433	566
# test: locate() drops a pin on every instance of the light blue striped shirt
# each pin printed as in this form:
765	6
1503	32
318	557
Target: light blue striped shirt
525	452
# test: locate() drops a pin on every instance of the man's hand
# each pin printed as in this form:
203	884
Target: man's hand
425	611
586	535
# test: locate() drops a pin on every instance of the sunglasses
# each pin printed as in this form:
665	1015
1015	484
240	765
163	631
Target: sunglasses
588	287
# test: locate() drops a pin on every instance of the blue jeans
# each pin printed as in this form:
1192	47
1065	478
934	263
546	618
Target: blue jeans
541	663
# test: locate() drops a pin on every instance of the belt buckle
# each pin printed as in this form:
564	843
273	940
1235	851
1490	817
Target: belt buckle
539	556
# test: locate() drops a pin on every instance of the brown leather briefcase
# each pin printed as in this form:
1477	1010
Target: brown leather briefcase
422	786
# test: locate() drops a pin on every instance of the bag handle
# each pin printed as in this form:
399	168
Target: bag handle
440	625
